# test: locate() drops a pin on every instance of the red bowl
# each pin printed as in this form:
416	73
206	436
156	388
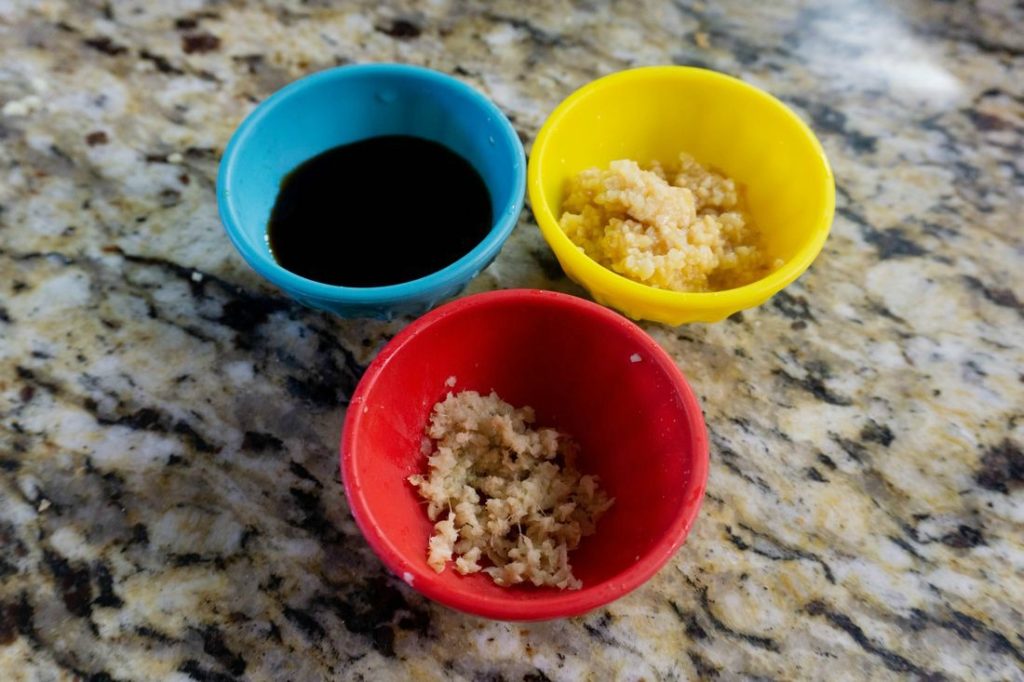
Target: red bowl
586	371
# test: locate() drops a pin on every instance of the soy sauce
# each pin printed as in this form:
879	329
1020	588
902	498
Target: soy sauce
380	211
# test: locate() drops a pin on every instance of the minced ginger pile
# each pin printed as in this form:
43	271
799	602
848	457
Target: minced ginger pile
682	228
508	495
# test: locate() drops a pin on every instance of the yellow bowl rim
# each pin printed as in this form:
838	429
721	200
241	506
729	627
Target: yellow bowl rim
738	298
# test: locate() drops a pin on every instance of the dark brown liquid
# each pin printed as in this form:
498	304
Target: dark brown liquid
380	211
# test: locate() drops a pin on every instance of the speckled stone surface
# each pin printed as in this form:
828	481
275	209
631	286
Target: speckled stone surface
170	507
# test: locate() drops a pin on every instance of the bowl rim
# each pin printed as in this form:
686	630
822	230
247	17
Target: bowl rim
560	603
438	282
608	280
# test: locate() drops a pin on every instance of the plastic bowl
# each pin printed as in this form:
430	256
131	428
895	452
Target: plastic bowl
654	113
587	371
351	103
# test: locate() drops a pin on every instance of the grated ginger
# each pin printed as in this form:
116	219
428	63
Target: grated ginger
507	498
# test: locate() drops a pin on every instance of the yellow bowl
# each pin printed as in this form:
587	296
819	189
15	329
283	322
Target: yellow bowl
654	113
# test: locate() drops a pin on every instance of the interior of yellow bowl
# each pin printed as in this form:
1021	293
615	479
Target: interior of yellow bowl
655	113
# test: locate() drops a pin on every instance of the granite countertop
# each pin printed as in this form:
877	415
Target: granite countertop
169	498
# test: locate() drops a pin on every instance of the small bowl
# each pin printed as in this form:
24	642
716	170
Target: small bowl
585	370
352	103
654	113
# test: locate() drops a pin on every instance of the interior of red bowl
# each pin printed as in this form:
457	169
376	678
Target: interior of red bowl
586	371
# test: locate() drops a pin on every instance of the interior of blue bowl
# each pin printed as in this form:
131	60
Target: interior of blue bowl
352	103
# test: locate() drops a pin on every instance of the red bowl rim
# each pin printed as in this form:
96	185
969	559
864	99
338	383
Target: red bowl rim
560	603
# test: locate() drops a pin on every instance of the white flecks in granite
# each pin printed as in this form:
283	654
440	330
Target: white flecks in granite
22	107
170	505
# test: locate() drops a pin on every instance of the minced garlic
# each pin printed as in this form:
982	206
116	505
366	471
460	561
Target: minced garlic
681	227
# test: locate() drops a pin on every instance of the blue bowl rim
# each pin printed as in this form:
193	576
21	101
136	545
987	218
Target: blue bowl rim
457	273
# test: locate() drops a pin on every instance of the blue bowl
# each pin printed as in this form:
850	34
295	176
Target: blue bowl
351	103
